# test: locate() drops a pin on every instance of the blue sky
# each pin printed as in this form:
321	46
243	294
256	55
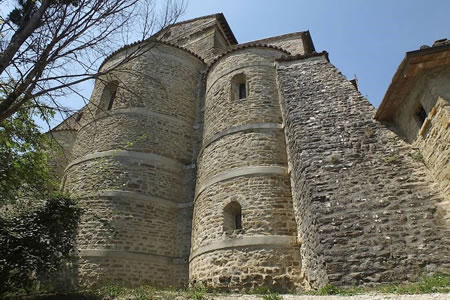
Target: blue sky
366	38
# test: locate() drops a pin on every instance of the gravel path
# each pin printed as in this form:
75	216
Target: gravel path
357	297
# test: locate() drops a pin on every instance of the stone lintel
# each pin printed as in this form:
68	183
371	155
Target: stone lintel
169	163
239	128
142	111
133	196
132	255
266	241
243	172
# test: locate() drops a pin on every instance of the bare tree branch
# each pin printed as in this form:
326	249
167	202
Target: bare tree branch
63	43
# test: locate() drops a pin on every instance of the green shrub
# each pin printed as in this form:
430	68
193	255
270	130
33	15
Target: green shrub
35	239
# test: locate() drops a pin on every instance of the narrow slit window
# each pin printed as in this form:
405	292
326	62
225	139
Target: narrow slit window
242	91
421	114
239	87
79	116
238	221
111	99
108	96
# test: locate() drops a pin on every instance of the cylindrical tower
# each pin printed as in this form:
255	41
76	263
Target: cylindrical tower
244	231
128	169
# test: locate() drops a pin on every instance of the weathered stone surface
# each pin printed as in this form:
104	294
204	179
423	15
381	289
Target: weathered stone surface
248	268
221	112
252	170
363	204
131	168
240	160
433	143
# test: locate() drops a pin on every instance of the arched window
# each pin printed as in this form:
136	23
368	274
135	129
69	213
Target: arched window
107	98
232	216
239	87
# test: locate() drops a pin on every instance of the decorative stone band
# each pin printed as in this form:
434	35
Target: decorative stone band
170	164
131	255
130	196
266	241
239	128
240	172
136	111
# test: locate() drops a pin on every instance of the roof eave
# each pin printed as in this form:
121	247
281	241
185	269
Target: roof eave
412	58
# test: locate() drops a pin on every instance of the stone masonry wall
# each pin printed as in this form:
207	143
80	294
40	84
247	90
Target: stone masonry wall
243	161
433	143
259	106
61	155
266	209
425	92
117	131
131	167
198	36
232	151
367	211
249	268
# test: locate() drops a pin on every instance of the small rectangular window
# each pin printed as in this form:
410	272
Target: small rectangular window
111	100
242	91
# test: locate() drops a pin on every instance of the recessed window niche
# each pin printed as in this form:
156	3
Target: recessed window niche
239	87
108	96
232	216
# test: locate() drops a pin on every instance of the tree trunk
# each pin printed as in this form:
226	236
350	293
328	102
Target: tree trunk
21	35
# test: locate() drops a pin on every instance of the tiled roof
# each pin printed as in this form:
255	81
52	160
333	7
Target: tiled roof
149	40
304	56
245	46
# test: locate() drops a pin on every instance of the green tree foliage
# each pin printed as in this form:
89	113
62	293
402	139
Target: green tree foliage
35	241
37	226
23	160
26	8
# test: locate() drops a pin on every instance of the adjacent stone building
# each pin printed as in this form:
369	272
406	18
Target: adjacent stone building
233	165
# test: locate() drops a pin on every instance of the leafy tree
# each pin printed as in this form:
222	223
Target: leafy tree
23	161
35	240
46	48
37	225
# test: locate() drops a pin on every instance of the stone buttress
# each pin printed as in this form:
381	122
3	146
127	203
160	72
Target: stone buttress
367	211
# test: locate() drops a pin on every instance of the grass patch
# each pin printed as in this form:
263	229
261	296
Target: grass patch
143	292
330	289
417	156
391	159
266	293
439	283
272	296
